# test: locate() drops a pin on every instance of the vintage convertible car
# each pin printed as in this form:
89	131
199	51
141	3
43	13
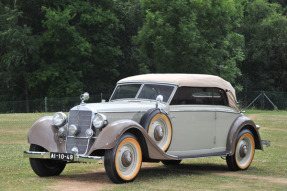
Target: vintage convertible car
149	118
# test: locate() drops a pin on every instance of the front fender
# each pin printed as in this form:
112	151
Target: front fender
240	123
111	134
44	134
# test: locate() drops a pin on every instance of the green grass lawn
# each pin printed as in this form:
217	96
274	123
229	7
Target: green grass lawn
268	170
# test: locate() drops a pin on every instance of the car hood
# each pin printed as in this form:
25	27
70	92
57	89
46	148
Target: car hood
124	106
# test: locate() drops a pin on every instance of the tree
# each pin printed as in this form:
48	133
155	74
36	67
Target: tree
192	37
18	56
131	16
264	28
79	50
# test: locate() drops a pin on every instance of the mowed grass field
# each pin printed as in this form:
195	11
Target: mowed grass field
268	170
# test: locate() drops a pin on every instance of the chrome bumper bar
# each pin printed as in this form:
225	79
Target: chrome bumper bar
265	143
46	155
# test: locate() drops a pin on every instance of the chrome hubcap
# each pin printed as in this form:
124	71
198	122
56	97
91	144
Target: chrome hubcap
127	158
158	133
243	151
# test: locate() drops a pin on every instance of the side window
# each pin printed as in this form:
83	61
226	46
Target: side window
199	96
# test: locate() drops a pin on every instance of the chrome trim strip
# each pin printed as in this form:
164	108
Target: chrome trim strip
82	137
46	155
222	154
149	82
139	91
177	110
189	110
172	94
135	111
202	108
91	124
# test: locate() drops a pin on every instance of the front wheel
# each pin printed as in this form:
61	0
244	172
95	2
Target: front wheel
123	162
244	152
45	167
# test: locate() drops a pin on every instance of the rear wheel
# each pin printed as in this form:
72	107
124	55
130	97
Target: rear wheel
244	151
123	162
45	167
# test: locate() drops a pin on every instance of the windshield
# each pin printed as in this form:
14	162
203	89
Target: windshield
148	91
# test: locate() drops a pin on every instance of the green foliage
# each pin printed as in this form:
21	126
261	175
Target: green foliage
63	47
192	37
131	15
18	55
79	49
264	29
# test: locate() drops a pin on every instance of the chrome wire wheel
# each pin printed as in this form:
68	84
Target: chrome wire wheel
244	151
160	131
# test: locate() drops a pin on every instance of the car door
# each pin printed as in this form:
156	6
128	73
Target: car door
193	120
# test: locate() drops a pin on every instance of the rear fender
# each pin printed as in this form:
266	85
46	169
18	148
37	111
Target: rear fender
44	134
111	134
242	122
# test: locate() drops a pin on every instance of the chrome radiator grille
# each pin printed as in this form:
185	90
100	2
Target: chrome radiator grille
82	119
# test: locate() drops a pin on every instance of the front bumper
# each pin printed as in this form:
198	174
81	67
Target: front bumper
77	158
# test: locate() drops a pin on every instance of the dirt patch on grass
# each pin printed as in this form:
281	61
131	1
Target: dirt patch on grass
254	116
92	180
279	144
275	129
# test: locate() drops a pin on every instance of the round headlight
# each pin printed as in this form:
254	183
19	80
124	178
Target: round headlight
59	119
73	130
99	121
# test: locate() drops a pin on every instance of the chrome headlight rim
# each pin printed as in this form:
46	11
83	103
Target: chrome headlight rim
100	121
59	119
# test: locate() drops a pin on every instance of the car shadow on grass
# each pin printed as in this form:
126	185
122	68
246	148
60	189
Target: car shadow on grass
182	168
147	172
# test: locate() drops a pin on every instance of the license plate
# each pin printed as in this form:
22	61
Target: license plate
62	156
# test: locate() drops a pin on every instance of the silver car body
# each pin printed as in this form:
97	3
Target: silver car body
197	130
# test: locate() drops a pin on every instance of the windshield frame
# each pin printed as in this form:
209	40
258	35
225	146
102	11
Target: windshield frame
174	85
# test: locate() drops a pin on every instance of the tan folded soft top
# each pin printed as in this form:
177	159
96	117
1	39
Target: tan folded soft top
191	80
